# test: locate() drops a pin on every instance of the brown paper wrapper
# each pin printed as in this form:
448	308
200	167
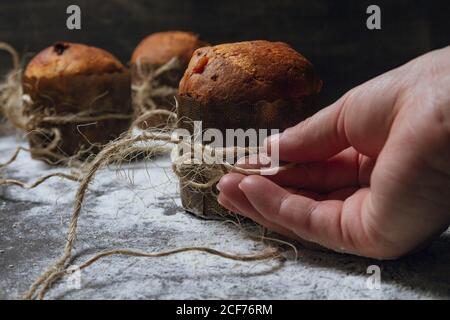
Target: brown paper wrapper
96	94
260	115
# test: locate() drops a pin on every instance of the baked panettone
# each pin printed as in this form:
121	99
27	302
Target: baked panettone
245	85
65	59
158	64
77	98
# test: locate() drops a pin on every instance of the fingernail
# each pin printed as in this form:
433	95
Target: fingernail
240	185
219	184
268	141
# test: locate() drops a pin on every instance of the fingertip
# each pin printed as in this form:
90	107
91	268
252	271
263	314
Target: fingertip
226	203
225	180
228	182
270	141
249	183
221	200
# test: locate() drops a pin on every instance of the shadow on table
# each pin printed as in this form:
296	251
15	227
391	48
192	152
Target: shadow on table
426	272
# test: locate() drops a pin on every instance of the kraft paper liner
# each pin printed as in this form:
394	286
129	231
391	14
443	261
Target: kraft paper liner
165	82
94	95
260	115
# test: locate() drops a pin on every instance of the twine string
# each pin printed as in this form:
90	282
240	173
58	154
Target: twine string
11	87
12	101
37	182
59	268
149	87
13	52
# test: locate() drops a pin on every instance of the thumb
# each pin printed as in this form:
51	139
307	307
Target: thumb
361	118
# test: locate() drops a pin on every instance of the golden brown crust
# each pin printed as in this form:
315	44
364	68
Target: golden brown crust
74	80
70	59
249	71
158	48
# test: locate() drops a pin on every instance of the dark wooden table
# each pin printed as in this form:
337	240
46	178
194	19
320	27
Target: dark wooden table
332	34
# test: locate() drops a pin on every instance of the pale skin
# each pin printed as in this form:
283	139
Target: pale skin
372	173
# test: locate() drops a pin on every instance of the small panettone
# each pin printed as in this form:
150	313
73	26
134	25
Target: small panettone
77	98
157	65
246	85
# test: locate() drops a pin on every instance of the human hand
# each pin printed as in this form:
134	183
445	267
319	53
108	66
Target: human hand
372	173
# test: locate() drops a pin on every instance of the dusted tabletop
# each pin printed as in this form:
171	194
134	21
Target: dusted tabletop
137	207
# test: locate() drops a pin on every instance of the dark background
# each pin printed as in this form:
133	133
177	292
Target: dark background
331	34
